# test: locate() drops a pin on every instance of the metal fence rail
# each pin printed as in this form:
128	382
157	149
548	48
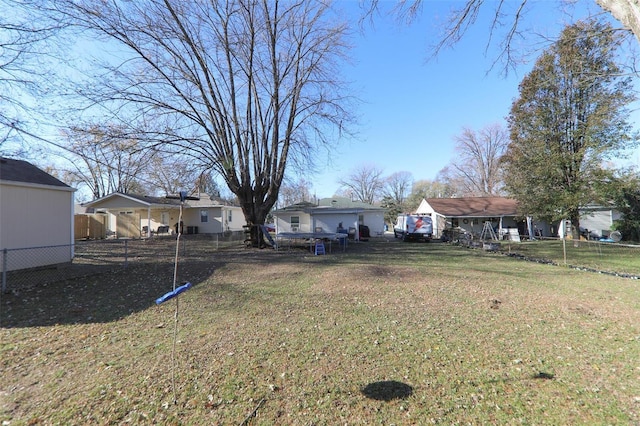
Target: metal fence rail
100	256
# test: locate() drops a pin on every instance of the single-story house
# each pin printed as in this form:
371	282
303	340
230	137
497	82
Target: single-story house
36	216
329	215
135	216
471	213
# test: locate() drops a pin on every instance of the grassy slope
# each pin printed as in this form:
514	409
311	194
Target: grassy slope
480	338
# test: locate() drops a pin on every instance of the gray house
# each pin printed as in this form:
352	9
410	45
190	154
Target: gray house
471	213
328	215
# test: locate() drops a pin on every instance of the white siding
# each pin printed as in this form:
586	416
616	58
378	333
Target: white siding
34	216
375	221
329	222
283	221
597	221
237	219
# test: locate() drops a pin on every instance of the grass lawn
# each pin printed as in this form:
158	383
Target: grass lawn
386	333
607	257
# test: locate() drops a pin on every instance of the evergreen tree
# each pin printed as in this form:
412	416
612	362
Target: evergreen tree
571	115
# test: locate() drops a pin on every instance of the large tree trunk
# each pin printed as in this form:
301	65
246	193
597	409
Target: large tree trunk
255	215
574	218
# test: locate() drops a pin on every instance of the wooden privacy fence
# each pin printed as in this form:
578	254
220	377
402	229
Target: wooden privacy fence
90	226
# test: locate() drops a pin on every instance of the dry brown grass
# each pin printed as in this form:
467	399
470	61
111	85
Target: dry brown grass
386	333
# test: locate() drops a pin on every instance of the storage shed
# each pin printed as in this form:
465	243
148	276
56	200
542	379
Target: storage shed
36	217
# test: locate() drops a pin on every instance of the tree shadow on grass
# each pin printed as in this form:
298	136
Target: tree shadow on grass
97	298
387	390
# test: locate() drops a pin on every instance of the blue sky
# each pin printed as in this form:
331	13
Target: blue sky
413	108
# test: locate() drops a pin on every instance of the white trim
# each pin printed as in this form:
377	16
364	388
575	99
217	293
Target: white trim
37	185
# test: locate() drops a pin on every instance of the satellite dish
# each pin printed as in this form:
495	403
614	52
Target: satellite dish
615	236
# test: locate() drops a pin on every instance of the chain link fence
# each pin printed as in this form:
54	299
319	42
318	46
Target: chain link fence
101	256
621	259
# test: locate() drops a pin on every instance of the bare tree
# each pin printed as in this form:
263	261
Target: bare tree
24	38
105	160
428	189
292	192
240	86
397	186
476	168
171	174
507	27
364	183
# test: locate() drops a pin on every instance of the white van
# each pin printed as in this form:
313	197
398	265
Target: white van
413	227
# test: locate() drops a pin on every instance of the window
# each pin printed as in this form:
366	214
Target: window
229	215
295	223
204	216
361	219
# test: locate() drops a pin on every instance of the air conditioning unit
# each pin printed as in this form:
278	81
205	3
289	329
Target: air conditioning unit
294	229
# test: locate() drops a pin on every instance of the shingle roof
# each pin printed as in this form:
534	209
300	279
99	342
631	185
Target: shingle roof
474	206
22	171
150	199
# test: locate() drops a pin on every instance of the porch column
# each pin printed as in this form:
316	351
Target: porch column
149	222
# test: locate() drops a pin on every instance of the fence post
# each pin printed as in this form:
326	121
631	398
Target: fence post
126	259
5	254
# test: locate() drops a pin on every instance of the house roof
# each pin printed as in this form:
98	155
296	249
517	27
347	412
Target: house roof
344	203
25	172
473	206
330	205
152	201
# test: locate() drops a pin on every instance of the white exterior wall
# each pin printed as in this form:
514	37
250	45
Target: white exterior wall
237	218
375	221
283	221
329	222
218	219
598	221
36	216
191	218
